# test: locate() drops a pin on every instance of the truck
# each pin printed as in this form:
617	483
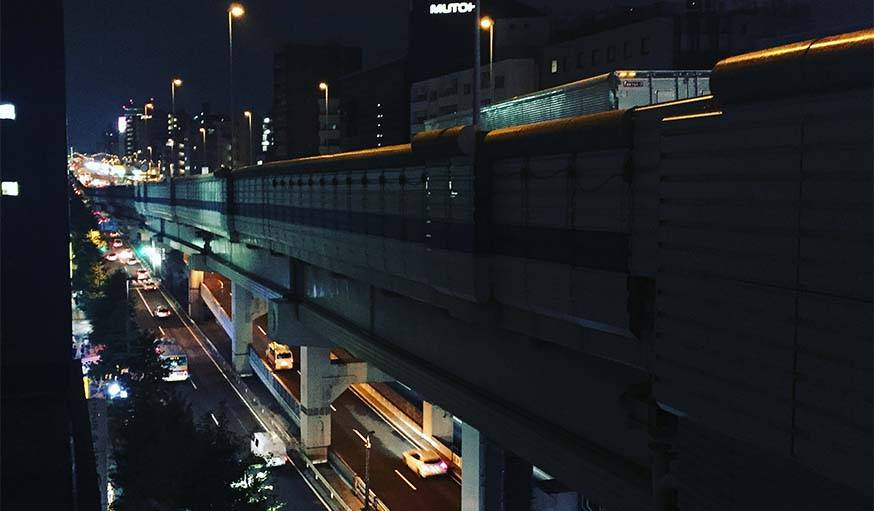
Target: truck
268	446
616	90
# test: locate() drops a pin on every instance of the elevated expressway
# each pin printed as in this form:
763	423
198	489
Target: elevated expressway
663	307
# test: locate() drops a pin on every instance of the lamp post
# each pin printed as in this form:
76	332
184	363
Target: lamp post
235	10
248	115
176	82
367	445
487	23
477	79
324	86
205	156
150	156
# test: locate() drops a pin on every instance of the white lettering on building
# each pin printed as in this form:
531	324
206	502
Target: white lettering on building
453	8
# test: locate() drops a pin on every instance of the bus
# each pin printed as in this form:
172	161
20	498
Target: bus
174	358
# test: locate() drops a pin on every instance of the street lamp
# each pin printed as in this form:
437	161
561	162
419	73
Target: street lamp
367	445
150	156
205	156
235	10
248	115
147	108
324	86
477	79
176	82
487	23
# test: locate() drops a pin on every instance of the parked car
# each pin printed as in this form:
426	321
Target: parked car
117	243
111	256
426	463
280	356
142	274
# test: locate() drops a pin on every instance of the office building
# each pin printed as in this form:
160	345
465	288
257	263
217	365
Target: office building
267	140
452	93
375	107
210	142
298	70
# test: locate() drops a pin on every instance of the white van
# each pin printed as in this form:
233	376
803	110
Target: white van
268	446
280	356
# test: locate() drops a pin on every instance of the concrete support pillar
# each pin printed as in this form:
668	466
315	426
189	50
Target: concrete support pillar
315	401
242	312
492	479
197	309
436	422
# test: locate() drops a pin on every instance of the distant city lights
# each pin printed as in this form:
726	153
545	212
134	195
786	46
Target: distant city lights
122	124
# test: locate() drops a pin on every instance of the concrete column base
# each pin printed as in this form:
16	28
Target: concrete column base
491	477
242	307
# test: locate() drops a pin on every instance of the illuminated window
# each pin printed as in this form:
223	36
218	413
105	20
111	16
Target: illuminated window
9	188
7	111
553	66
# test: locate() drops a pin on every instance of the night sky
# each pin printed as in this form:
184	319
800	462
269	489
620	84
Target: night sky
123	49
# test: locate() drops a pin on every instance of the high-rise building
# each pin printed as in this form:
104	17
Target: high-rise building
177	144
375	108
441	40
133	128
48	458
110	140
297	71
210	141
267	140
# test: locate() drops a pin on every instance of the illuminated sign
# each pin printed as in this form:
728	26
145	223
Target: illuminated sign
453	8
632	83
122	124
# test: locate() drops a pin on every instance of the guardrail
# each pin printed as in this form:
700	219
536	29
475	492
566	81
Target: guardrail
279	391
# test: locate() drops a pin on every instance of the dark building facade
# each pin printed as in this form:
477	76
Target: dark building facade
375	107
441	40
297	71
48	459
110	140
210	138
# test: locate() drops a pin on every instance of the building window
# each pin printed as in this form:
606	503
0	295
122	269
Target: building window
626	49
499	82
596	57
611	53
553	66
644	45
581	59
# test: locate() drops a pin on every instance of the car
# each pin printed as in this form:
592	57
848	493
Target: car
425	462
149	284
162	311
111	256
163	342
280	356
132	261
142	274
114	234
117	243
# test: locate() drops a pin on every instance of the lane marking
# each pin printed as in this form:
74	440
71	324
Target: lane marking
362	437
161	329
221	371
184	320
262	331
405	480
298	372
213	418
333	409
191	380
145	303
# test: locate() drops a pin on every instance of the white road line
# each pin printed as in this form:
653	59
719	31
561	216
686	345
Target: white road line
363	439
298	372
144	303
261	330
217	366
161	329
191	381
237	392
213	418
405	480
332	408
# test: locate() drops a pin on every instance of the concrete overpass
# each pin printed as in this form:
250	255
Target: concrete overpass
662	308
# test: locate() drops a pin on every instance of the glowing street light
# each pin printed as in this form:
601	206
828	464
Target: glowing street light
176	82
324	86
235	10
487	23
248	115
